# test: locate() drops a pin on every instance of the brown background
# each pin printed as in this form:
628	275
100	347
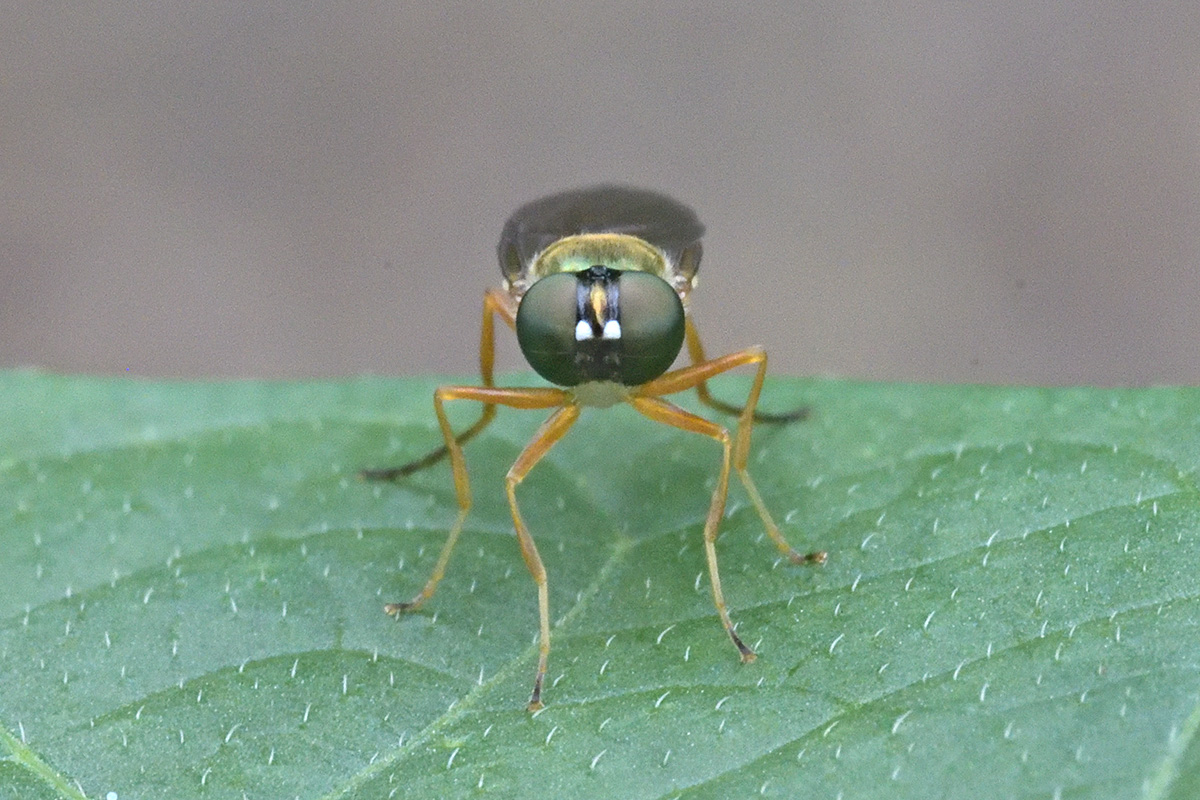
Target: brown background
1003	192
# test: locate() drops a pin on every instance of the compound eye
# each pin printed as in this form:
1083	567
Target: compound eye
546	321
652	327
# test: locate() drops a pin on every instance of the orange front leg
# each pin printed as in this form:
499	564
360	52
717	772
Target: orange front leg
660	410
689	377
551	431
514	398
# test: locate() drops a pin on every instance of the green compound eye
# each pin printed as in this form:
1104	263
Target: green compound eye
651	327
600	324
546	322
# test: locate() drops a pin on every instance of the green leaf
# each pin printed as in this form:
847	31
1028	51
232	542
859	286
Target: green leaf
194	581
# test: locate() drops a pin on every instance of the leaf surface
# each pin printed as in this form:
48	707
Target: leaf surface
194	580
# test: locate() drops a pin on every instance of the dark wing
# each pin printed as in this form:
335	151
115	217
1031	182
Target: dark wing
655	218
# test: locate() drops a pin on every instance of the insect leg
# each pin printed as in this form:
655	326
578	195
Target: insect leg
696	353
515	398
496	303
742	456
551	431
688	377
660	410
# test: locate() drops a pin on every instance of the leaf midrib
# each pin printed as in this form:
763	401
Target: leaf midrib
22	754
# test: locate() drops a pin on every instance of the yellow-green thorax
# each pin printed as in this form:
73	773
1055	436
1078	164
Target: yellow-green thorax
619	251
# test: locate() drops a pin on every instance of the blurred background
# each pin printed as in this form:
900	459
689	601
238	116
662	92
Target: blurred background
1005	192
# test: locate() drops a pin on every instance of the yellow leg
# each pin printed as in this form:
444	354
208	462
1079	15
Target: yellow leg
646	399
689	377
696	353
496	303
661	411
551	431
491	396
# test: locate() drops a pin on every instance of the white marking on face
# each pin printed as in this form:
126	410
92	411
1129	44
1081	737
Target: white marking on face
583	331
612	330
